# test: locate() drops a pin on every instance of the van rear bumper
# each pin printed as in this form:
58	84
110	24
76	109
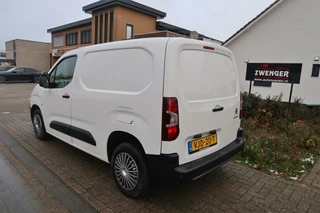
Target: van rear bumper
166	167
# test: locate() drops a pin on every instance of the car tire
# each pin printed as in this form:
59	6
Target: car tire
38	125
129	170
2	79
36	79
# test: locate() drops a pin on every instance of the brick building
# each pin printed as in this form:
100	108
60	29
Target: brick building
113	20
31	54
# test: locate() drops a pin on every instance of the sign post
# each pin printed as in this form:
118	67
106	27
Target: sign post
290	97
277	73
250	87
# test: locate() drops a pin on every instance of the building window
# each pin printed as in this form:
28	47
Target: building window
85	36
262	84
106	27
72	39
3	55
101	28
58	41
129	31
111	27
315	70
96	30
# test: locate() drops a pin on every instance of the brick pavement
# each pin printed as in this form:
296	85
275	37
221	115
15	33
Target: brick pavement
314	176
20	191
232	188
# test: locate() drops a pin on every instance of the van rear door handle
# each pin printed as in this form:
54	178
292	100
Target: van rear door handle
66	96
218	109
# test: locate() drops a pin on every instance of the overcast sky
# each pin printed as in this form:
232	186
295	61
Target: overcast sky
30	19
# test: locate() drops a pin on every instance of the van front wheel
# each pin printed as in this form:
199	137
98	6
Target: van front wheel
129	170
38	125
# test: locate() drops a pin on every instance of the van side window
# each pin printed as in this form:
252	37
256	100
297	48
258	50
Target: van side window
62	75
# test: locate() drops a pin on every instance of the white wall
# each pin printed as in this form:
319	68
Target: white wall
290	33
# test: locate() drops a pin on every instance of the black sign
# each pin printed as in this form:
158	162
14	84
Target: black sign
278	73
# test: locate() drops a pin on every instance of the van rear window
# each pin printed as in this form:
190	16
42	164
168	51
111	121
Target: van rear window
206	75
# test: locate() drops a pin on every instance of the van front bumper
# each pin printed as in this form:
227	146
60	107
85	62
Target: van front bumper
166	167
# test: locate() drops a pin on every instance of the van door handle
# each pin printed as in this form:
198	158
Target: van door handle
218	109
66	96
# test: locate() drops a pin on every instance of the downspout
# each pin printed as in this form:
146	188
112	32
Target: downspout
14	52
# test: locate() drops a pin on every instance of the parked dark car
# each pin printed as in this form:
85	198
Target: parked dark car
5	68
20	74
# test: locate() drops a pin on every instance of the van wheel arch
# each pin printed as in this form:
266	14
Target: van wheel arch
119	137
34	108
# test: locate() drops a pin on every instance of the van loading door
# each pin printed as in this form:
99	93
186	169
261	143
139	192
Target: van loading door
209	101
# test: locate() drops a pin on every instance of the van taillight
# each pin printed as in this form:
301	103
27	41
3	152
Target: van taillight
170	119
241	101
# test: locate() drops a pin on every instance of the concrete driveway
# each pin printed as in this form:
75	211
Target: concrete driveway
232	188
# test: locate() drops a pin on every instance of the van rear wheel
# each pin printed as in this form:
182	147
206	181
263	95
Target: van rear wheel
129	170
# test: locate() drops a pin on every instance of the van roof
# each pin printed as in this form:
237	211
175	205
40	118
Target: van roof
144	42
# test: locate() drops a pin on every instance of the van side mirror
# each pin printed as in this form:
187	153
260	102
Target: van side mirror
44	81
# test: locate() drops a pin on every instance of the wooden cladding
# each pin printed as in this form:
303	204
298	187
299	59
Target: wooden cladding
101	29
104	24
96	30
111	26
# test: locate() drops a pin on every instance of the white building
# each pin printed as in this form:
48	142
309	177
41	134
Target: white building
286	32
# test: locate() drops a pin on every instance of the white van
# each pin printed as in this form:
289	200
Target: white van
154	108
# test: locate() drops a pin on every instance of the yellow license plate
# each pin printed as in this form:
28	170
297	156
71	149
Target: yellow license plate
202	143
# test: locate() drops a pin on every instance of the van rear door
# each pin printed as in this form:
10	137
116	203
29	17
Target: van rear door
203	77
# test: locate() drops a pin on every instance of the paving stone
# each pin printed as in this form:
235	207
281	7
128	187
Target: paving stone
281	185
79	189
271	197
259	185
246	198
251	205
315	207
287	191
276	206
312	211
303	206
295	198
98	205
241	191
264	191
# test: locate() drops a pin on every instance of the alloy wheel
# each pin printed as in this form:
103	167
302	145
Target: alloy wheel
126	171
37	124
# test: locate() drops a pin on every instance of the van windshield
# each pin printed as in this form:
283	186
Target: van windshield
207	75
